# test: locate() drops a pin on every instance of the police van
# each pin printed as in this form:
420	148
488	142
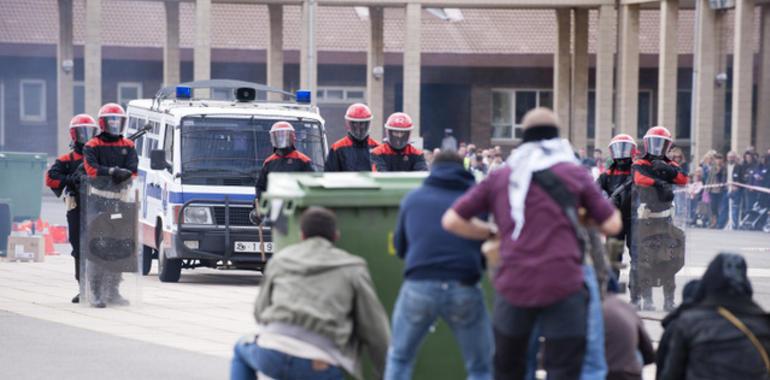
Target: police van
198	164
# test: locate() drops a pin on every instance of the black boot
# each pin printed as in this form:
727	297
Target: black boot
668	296
649	305
76	298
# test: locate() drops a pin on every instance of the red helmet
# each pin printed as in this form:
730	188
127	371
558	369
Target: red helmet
82	128
622	146
357	120
112	119
398	127
657	141
282	135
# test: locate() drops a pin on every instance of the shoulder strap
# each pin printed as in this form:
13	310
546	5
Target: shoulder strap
566	200
744	329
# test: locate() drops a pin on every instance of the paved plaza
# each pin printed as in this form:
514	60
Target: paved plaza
186	330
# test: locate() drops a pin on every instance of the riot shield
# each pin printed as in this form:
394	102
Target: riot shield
110	250
658	236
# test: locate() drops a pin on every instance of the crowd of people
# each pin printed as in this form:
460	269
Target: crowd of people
319	313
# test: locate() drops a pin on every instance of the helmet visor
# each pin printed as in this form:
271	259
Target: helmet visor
398	139
81	135
657	146
282	138
358	130
114	124
621	149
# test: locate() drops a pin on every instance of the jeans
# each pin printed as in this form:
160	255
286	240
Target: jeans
594	363
736	198
419	305
249	358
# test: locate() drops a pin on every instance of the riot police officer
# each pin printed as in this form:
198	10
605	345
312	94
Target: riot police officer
110	160
285	158
63	178
397	154
616	183
351	153
658	249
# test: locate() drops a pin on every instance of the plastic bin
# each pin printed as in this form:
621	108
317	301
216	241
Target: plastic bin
366	205
22	182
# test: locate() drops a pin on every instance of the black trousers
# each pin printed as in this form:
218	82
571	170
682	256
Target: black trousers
563	324
73	225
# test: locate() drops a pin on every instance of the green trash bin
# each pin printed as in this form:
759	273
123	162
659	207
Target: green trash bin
22	182
366	205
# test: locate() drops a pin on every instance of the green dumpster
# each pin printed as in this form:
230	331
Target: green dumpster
366	205
22	183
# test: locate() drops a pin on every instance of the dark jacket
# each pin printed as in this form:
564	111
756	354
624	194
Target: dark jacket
293	161
387	159
104	152
350	155
430	251
705	345
624	336
617	175
63	174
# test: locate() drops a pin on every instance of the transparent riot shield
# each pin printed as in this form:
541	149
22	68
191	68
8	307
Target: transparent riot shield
658	242
110	258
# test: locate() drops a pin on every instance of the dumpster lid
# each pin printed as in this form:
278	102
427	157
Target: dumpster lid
340	181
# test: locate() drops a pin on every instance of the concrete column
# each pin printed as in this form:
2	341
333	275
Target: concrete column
171	60
743	75
375	61
605	76
308	66
65	70
412	65
668	64
705	67
579	114
202	45
562	61
93	56
719	107
763	117
628	75
275	51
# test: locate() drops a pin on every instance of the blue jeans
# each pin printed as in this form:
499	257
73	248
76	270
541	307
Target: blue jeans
249	358
736	198
594	362
462	307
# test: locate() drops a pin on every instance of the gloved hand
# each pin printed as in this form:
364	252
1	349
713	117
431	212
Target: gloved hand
664	191
73	181
120	175
664	170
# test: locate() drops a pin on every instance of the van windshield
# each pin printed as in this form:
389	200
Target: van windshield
230	151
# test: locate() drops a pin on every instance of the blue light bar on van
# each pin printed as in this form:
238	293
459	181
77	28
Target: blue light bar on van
183	92
303	96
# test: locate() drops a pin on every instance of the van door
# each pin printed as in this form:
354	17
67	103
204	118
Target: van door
153	186
170	184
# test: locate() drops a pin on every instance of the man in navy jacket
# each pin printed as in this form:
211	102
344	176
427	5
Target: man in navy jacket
442	275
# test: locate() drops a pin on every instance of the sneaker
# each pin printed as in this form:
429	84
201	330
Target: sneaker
76	298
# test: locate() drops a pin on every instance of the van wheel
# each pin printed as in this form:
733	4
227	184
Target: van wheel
169	270
147	253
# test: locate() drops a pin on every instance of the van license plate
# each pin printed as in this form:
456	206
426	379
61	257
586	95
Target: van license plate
252	247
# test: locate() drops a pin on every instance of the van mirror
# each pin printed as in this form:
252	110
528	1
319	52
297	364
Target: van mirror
158	160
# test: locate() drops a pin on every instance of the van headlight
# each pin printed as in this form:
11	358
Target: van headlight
197	215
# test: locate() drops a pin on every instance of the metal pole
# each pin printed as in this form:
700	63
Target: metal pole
694	85
311	51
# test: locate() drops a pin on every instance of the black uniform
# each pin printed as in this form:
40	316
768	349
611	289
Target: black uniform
350	155
291	161
387	159
617	183
63	178
101	154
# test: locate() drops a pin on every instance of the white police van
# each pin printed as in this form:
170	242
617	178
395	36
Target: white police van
198	164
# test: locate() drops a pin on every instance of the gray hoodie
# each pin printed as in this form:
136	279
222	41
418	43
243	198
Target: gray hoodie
327	295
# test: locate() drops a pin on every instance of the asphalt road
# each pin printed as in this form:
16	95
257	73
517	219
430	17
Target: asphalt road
37	349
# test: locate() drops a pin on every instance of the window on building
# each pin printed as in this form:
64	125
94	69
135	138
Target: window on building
644	118
341	95
32	106
509	108
683	114
78	97
128	91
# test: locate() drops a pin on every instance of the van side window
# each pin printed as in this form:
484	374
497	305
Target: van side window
168	144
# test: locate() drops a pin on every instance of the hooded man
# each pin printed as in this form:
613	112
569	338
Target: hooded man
724	334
